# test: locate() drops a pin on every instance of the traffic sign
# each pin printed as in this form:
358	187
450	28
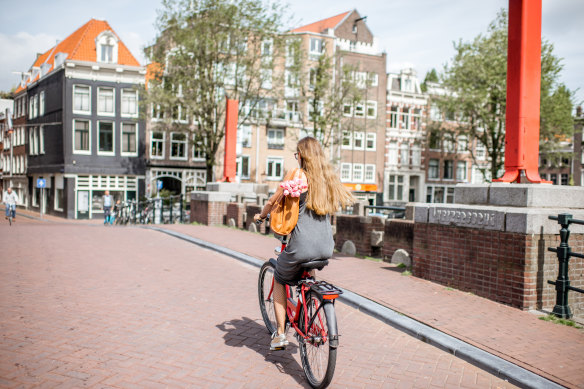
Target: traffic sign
41	183
159	184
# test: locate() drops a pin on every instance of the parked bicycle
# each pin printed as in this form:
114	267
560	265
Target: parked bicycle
312	316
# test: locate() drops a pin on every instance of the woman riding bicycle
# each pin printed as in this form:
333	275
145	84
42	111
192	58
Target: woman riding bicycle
312	238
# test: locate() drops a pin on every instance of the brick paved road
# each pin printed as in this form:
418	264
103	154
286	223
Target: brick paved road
94	306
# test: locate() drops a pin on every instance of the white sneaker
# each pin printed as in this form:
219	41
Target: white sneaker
279	342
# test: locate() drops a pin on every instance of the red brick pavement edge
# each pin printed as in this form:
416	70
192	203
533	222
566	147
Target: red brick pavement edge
549	350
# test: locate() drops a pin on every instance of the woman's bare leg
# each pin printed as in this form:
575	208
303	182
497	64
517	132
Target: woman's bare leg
280	305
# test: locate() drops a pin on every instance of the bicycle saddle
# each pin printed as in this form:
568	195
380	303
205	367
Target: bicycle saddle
314	264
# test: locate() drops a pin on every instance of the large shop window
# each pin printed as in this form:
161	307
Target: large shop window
82	140
106	138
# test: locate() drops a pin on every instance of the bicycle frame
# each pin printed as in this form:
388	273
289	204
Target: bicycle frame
293	308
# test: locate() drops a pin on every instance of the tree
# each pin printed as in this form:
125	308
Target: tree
324	89
475	81
431	76
207	50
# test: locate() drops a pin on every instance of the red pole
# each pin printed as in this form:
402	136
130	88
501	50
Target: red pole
523	91
229	165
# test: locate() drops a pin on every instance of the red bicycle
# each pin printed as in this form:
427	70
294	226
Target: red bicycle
311	315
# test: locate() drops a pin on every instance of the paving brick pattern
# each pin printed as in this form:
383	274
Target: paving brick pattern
550	350
108	307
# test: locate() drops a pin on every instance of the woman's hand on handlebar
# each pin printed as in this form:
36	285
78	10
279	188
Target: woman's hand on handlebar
258	219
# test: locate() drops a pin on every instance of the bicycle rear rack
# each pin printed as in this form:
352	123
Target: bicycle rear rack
323	288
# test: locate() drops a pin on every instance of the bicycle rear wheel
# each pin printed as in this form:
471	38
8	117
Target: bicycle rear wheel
317	353
266	296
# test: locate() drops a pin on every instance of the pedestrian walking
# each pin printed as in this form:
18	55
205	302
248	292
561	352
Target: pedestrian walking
107	206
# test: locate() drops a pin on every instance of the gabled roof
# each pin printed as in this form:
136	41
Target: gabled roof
80	46
320	26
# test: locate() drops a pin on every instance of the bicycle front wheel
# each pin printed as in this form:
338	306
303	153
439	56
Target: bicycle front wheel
317	352
266	296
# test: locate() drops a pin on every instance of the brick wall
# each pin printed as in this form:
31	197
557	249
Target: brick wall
509	268
358	230
235	211
208	213
399	234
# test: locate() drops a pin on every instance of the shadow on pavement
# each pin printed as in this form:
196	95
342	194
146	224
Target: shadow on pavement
246	332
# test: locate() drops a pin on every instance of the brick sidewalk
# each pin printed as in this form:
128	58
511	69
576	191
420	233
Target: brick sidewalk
90	306
549	350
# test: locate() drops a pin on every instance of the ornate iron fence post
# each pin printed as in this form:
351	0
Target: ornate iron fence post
182	220
562	283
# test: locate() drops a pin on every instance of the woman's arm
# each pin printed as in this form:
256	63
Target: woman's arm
275	197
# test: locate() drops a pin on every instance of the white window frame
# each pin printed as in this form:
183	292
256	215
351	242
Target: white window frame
107	153
107	38
358	136
347	135
371	136
369	171
278	160
350	111
393	187
198	155
81	111
371	104
41	140
359	110
437	165
85	152
152	140
404	154
245	135
106	113
136	142
394	117
451	171
317	46
185	142
462	177
358	172
42	103
128	114
240	167
346	172
273	138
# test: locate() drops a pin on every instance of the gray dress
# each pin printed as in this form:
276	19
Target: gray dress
311	239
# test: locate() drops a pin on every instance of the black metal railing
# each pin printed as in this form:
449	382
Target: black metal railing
562	283
162	210
390	212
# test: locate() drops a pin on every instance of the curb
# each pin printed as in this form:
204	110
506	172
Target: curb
495	365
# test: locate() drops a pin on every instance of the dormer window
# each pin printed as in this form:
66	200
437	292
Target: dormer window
106	45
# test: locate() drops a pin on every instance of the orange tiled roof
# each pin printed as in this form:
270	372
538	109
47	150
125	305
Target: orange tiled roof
80	46
323	24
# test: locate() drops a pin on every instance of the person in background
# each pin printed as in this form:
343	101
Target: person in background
10	198
107	206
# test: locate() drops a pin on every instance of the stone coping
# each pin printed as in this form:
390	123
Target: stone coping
496	218
520	195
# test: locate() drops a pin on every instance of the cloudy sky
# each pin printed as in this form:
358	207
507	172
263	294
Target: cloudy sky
414	33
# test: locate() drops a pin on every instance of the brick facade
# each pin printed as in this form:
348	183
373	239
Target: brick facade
509	268
208	213
358	230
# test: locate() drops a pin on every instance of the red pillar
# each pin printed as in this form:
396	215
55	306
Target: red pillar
229	164
523	91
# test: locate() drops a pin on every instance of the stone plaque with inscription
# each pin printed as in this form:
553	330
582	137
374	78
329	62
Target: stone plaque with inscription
467	217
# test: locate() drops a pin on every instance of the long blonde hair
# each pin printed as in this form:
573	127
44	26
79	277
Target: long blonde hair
325	191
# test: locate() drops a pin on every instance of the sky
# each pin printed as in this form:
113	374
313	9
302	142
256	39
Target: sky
416	34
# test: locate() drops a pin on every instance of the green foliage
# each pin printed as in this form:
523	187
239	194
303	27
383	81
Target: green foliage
207	50
406	273
476	82
325	95
557	320
431	76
